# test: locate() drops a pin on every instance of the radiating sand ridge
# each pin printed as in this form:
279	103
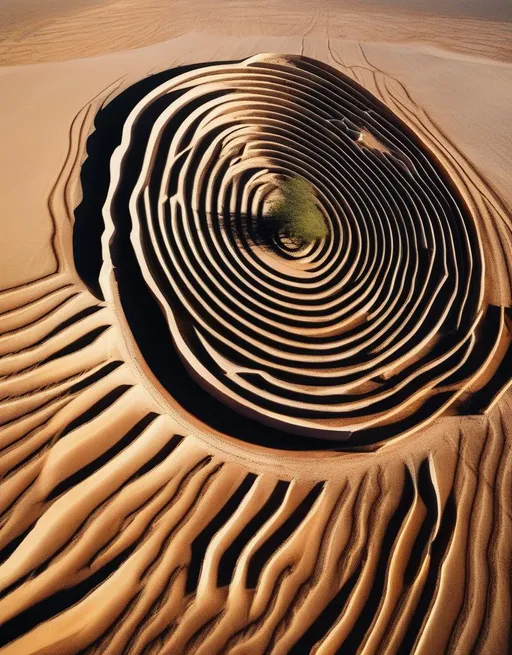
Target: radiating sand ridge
137	515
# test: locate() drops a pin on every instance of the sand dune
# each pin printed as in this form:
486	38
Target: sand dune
92	28
168	382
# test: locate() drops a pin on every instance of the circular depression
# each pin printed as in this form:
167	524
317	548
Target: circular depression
356	338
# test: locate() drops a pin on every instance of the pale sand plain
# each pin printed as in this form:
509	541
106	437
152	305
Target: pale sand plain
129	523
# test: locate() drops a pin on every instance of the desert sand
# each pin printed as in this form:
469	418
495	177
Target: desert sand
210	446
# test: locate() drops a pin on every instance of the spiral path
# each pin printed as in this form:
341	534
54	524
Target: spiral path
364	335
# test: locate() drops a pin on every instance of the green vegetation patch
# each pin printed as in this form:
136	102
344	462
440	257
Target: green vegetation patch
295	215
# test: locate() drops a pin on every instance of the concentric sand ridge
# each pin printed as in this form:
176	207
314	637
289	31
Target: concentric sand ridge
363	336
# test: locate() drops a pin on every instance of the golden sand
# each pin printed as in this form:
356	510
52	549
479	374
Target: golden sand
135	519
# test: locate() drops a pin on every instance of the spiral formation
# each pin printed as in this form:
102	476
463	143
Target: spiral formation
374	329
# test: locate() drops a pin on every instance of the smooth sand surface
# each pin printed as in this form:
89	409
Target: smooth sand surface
129	522
84	28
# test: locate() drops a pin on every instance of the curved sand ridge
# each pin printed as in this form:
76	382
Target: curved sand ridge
363	336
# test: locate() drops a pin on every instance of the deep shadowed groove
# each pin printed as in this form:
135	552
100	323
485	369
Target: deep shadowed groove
96	409
95	174
11	545
157	459
95	377
301	594
88	311
201	542
79	344
230	556
266	550
438	551
205	484
427	493
326	619
100	461
46	609
368	612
